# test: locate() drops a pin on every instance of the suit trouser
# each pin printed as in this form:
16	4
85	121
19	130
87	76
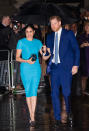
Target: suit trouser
63	78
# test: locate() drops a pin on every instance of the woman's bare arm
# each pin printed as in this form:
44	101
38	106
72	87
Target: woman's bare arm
19	59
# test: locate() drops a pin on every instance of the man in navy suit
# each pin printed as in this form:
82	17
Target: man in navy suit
65	63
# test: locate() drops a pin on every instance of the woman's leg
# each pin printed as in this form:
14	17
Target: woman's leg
33	107
63	113
28	100
31	102
84	83
63	104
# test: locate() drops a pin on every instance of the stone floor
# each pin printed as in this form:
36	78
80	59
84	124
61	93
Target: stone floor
14	114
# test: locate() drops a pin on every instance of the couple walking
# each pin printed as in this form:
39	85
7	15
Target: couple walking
63	54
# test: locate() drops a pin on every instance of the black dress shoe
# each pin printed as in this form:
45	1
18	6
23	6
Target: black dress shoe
70	120
32	123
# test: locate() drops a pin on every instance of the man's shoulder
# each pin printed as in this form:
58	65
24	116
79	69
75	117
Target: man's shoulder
50	34
66	31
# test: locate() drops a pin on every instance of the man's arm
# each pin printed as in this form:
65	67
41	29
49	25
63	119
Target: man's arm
76	51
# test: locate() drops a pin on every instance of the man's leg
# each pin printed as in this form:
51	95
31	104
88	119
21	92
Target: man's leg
66	80
55	92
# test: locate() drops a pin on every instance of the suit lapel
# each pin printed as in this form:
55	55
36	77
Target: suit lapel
61	45
52	42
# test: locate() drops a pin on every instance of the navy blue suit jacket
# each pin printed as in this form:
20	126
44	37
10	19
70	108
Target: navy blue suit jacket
69	51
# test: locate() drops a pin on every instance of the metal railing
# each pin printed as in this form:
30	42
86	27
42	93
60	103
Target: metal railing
15	70
5	68
10	70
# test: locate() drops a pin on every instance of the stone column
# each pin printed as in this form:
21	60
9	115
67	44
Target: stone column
7	7
86	3
19	3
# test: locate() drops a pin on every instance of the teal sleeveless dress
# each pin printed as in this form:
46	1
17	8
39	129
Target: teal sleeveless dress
30	73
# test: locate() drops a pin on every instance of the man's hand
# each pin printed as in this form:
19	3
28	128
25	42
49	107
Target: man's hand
74	70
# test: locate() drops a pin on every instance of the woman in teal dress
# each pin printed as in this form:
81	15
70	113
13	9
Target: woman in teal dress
30	70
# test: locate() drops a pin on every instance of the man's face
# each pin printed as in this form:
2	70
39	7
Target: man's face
55	24
8	20
74	28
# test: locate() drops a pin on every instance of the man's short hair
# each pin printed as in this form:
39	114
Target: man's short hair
58	18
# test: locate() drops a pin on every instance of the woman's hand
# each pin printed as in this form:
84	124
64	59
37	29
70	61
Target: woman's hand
44	48
85	44
30	61
43	54
19	59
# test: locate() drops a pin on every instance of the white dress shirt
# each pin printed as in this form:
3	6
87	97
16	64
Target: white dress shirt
59	35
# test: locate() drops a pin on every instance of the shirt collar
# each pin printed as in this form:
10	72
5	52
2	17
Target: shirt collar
59	31
75	33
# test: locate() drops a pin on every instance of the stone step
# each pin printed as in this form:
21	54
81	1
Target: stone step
7	10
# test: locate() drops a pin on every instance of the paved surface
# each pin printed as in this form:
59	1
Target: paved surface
14	114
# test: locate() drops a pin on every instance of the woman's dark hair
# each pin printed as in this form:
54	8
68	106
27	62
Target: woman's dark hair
30	25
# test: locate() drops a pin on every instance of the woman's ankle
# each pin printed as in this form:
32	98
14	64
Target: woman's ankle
32	119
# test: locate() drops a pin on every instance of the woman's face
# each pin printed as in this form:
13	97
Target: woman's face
29	33
87	28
